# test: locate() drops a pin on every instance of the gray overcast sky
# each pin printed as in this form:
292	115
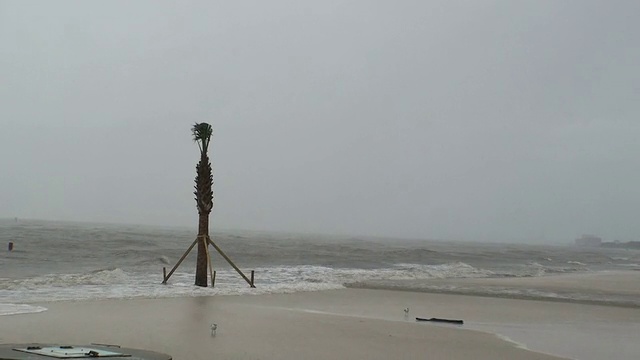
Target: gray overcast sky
476	120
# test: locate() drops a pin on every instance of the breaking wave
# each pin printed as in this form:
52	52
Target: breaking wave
97	277
118	283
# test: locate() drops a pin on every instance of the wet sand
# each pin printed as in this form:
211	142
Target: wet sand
615	288
604	283
261	327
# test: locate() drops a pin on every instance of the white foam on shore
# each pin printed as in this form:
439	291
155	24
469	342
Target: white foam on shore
519	345
16	309
576	263
118	283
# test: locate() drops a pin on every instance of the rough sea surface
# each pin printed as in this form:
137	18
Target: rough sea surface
54	261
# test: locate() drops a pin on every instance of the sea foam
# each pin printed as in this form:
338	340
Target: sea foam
15	309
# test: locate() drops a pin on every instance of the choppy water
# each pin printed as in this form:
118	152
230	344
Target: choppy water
72	261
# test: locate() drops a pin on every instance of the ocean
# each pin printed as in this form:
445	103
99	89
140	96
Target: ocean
56	261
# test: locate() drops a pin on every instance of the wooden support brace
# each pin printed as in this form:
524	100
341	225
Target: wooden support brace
230	262
180	261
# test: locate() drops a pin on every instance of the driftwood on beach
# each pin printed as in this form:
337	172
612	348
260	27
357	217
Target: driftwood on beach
438	320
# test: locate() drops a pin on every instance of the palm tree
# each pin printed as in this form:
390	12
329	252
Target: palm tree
204	197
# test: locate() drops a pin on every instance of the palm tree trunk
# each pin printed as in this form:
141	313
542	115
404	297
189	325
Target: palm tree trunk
201	262
204	198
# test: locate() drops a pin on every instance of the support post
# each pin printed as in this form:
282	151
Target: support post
213	280
164	275
180	261
230	262
209	261
252	278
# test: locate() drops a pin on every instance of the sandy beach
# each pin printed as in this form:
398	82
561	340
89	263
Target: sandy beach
328	325
340	324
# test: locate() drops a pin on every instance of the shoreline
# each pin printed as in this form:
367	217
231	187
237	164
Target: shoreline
603	288
616	288
612	303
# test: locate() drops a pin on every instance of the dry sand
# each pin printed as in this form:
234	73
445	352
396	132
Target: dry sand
338	324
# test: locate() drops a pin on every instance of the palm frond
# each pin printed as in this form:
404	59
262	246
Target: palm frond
202	135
